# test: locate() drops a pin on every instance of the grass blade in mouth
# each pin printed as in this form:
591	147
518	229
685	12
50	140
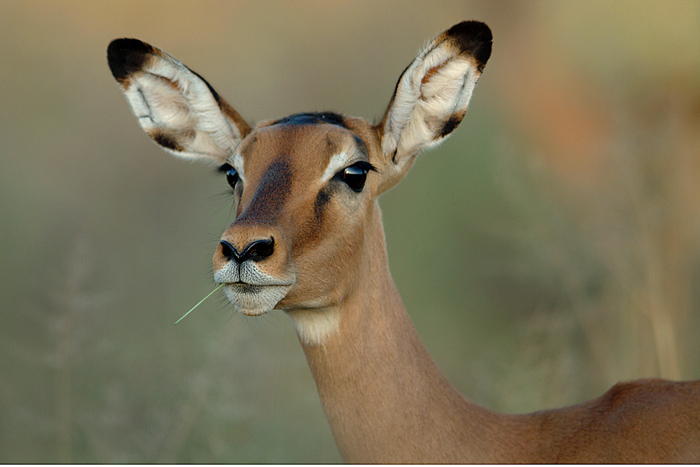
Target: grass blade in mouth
200	302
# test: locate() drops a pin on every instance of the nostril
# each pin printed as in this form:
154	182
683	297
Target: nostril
255	251
228	250
259	249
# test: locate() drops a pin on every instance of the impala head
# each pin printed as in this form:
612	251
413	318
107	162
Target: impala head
305	186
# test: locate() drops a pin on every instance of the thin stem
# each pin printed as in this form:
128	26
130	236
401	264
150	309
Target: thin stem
199	303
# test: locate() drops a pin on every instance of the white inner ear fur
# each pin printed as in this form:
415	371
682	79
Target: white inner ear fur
420	109
166	96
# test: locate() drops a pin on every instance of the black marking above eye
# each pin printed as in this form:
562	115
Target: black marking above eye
355	175
232	176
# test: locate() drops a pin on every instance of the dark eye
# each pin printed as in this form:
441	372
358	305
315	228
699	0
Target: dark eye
231	174
355	176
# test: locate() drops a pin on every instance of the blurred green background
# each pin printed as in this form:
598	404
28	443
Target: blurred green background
548	249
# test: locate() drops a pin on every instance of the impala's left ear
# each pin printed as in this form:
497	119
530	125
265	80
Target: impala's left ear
433	93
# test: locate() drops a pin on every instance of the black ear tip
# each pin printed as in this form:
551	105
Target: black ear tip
474	29
474	38
126	56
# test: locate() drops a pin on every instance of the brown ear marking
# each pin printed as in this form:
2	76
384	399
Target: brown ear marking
473	38
127	56
165	140
450	125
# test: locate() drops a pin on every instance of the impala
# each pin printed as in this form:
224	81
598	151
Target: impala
308	240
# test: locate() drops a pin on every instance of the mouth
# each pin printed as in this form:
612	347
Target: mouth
244	287
255	300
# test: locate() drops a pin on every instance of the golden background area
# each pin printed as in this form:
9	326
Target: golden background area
548	249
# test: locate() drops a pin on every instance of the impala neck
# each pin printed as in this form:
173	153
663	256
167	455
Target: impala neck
383	395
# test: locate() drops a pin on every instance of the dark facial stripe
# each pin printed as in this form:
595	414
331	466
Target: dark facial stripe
322	199
273	190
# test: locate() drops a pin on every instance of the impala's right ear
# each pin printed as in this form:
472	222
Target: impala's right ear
173	104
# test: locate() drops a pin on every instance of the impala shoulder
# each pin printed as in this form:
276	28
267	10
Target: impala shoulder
647	392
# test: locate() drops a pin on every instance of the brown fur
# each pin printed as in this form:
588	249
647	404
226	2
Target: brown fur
384	397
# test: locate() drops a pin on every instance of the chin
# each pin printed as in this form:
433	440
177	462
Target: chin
255	300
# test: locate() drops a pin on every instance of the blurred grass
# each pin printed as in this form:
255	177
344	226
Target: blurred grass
547	250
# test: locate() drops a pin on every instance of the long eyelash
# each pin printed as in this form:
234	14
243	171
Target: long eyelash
366	166
224	168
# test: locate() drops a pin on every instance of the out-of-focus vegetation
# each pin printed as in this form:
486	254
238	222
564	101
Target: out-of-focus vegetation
550	248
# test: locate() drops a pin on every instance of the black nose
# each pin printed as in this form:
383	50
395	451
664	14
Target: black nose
255	251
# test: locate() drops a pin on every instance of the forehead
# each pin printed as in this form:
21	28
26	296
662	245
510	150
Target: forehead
309	140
